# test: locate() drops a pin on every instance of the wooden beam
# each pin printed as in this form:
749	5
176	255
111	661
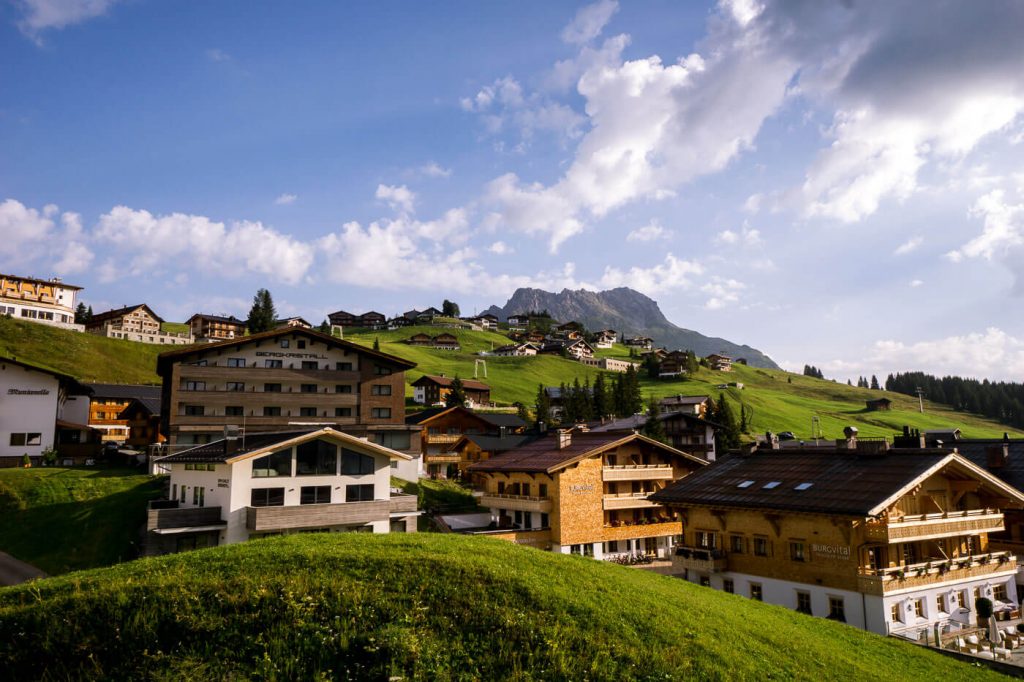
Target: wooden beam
776	522
721	516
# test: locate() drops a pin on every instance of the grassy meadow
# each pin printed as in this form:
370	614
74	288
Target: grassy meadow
422	607
62	520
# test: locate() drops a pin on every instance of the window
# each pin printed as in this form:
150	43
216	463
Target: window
380	412
380	389
271	411
961	597
355	463
760	546
359	493
273	364
301	343
234	386
316	458
271	388
315	494
343	388
308	388
745	484
542	490
195	385
999	593
174	491
803	602
736	544
343	366
770	485
194	410
285	343
705	539
803	486
307	411
755	592
184	494
837	609
796	551
233	411
545	520
236	362
267	497
382	371
705	581
612	547
517	518
396	440
728	586
310	364
18	438
275	464
198	495
942	603
977	595
342	411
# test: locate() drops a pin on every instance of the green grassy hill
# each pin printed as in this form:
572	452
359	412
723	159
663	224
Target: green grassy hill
64	520
86	357
422	607
781	401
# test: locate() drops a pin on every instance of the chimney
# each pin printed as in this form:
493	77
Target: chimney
502	431
996	456
850	440
232	438
771	440
564	438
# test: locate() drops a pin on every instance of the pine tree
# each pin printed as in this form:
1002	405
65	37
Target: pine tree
88	314
262	315
456	396
728	435
325	327
542	407
80	314
654	428
691	362
568	409
376	343
618	396
522	412
600	400
652	366
874	383
633	400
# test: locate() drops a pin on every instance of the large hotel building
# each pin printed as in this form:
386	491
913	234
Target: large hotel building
283	380
38	300
889	540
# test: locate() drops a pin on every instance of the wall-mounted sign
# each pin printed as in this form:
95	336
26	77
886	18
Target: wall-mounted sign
582	488
276	354
831	551
222	483
25	391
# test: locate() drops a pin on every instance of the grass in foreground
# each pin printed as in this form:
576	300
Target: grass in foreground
430	607
62	520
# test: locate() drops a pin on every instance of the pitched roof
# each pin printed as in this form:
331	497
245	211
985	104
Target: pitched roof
637	421
121	312
841	482
512	421
125	391
977	451
423	415
73	385
493	444
257	444
684	400
445	382
36	280
216	318
164	360
150	405
544	455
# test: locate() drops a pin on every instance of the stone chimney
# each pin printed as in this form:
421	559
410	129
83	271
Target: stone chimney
850	438
996	456
564	438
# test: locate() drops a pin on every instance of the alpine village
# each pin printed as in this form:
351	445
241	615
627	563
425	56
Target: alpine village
483	444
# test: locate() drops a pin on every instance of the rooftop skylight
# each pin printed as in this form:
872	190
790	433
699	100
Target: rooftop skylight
745	484
770	484
803	486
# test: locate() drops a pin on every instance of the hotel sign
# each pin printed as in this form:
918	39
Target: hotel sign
832	551
275	354
25	391
582	488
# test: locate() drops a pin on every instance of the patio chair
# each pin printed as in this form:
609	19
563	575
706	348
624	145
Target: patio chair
1002	653
972	644
961	645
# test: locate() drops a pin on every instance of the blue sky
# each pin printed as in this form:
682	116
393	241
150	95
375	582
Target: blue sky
840	185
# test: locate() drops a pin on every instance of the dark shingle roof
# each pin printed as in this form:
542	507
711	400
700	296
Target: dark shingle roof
512	421
445	382
637	421
841	482
151	405
977	451
544	455
120	312
73	386
125	391
423	415
496	443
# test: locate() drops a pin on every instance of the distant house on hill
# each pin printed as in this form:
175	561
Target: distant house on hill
879	404
519	322
719	363
642	342
430	390
516	350
135	323
446	342
292	322
215	327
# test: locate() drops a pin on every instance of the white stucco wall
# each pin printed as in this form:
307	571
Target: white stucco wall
28	404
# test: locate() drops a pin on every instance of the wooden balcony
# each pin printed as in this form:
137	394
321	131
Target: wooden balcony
936	571
700	559
628	501
442	458
934	526
632	530
262	519
441	438
524	503
280	375
638	472
167	516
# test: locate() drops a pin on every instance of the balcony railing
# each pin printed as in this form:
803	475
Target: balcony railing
935	571
638	472
525	503
933	526
441	437
316	515
401	503
628	501
700	559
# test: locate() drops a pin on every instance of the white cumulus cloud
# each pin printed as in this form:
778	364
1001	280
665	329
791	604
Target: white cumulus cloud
671	274
285	199
648	233
908	246
399	197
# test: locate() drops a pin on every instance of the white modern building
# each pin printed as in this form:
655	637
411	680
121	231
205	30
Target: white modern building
49	302
245	487
32	399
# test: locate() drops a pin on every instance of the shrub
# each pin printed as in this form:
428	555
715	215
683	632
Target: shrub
984	607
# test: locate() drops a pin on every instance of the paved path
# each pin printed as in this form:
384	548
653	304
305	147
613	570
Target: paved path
15	572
